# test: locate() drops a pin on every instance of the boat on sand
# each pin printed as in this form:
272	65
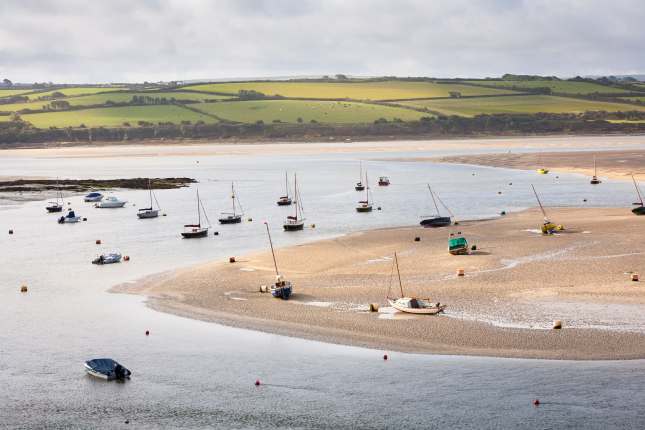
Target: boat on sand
281	289
411	305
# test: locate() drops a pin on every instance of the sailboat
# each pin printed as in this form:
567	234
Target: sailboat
285	200
541	170
281	289
365	205
640	208
547	227
150	212
412	305
594	179
232	217
56	206
192	231
296	221
435	220
359	185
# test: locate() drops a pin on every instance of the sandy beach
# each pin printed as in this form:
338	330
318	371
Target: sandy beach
516	284
618	164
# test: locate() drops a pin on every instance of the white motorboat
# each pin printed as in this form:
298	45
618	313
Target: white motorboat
110	202
109	258
70	218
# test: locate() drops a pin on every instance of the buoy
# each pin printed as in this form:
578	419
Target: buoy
10	231
417	239
385	357
69	203
510	183
231	260
163	214
98	241
127	421
461	272
499	192
126	258
216	233
250	219
263	288
373	307
378	208
502	213
473	248
456	223
313	225
536	402
147	332
635	277
23	288
84	219
473	174
557	325
584	200
257	382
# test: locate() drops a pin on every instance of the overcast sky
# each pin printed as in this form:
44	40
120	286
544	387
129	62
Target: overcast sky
137	40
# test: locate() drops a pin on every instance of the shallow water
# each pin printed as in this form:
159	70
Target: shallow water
194	374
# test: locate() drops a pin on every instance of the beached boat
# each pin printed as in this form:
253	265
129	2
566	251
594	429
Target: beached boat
411	305
93	197
151	212
365	205
359	185
285	200
542	171
547	226
281	289
56	206
383	181
296	221
640	208
106	368
457	244
70	218
436	220
192	231
109	258
110	202
594	178
232	217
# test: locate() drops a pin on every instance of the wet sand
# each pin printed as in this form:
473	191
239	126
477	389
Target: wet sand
516	284
610	164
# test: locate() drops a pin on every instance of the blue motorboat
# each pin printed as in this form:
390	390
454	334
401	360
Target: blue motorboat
93	197
106	368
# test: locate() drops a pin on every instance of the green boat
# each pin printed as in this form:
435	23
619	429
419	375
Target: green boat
457	244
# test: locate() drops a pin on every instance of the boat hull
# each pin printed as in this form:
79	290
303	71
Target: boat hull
104	205
640	210
363	208
441	221
417	311
231	220
53	209
148	214
294	226
106	369
195	234
281	292
67	220
284	202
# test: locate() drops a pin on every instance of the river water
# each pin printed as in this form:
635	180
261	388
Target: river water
193	374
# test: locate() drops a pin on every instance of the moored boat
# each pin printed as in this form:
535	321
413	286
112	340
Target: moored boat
56	206
457	244
359	185
151	212
436	220
110	202
594	180
411	305
296	221
281	289
547	227
70	218
640	208
108	258
232	217
193	231
285	200
93	197
384	181
106	368
365	205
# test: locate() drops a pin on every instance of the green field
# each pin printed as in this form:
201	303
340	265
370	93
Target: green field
519	104
9	93
385	90
75	91
641	99
115	117
116	97
290	110
565	87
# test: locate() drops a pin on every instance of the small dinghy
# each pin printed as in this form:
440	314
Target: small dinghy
383	181
110	202
457	244
109	258
70	218
106	368
93	197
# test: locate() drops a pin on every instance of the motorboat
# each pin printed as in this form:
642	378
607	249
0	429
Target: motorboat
151	212
70	218
232	217
286	199
109	258
436	220
457	244
110	202
281	289
296	221
384	181
411	305
106	368
93	197
365	205
193	231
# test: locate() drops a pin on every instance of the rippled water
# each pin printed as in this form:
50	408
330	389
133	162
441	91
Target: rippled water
194	374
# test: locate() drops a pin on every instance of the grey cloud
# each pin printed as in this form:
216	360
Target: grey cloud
119	40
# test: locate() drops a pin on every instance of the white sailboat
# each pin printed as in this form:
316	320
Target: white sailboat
365	205
232	217
285	200
296	221
150	212
411	305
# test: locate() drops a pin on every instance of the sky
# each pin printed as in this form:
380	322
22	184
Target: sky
74	41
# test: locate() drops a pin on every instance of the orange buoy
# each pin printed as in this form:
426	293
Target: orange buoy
461	272
536	402
635	277
126	258
98	241
385	357
231	260
257	382
23	288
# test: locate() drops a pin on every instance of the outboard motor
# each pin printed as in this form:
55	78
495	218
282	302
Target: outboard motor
61	220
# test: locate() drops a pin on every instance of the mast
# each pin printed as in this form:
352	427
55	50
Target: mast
396	261
295	193
539	202
640	197
367	189
199	213
433	200
286	183
150	190
275	264
594	166
233	197
360	175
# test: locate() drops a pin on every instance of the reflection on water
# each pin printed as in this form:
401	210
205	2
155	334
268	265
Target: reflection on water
194	374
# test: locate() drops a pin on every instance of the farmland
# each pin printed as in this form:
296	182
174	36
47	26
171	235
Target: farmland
9	93
562	87
518	104
367	90
289	111
115	117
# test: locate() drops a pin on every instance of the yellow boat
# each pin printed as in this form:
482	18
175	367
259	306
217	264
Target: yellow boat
543	171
